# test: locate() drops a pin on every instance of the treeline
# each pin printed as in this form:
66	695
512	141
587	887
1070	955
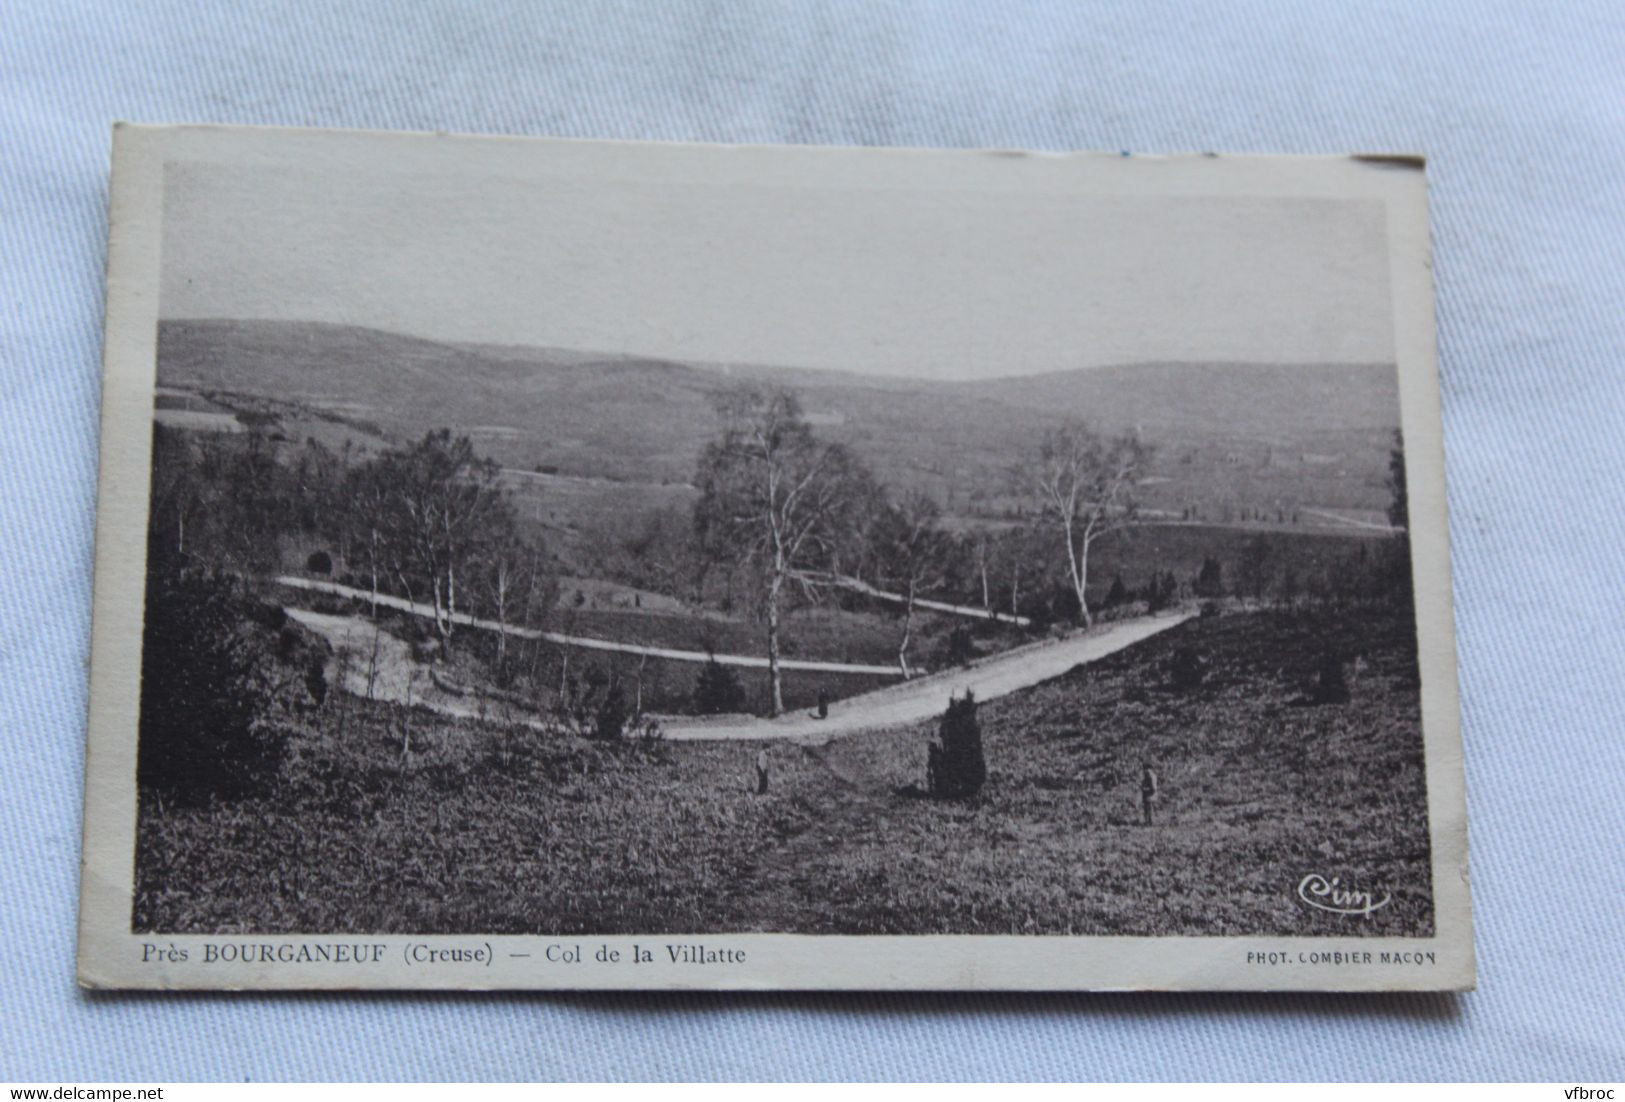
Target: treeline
429	522
224	674
1261	573
785	517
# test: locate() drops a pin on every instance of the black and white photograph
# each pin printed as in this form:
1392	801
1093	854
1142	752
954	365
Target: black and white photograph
628	551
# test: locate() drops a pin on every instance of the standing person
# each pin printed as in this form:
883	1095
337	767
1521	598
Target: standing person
1148	790
761	771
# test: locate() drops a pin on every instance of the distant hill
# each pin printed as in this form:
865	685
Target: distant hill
580	413
1316	433
1242	400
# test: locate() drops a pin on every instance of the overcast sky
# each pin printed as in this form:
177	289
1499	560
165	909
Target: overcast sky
950	285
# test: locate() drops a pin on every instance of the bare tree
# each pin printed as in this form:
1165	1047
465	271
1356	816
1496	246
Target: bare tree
913	552
982	554
504	565
1085	483
369	497
1014	548
428	508
506	561
774	497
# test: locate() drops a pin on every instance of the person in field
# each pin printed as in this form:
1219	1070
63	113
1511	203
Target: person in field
761	771
1148	790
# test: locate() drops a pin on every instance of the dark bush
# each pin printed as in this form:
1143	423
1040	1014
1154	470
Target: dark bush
1117	594
717	690
1211	609
1063	604
612	715
1161	591
1331	688
1210	581
316	679
205	689
320	562
958	650
955	766
1186	669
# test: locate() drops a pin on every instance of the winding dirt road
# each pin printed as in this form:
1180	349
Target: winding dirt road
883	709
747	661
927	697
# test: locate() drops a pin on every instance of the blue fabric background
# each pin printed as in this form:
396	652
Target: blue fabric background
1521	109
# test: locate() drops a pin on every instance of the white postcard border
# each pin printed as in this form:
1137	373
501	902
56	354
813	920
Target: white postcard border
111	956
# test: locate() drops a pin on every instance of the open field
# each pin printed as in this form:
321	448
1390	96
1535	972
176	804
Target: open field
571	508
484	829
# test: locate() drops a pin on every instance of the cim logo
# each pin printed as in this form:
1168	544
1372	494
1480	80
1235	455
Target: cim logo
1325	895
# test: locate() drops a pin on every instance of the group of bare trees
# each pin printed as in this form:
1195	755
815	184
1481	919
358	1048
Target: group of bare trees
800	514
430	521
1086	484
777	500
434	521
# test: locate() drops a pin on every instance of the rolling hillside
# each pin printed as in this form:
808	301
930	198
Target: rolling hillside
1247	433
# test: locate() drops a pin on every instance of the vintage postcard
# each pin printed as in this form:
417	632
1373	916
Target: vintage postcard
550	564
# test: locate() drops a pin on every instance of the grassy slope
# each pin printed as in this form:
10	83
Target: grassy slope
487	832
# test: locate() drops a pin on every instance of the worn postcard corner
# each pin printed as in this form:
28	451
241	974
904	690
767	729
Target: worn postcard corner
558	564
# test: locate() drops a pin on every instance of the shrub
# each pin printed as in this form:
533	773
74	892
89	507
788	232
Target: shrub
316	679
611	719
205	689
1331	688
319	562
1161	591
958	650
1210	581
1186	669
717	690
956	767
1117	594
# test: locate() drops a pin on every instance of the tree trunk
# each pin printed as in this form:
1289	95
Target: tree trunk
908	631
1077	561
372	567
775	677
502	620
372	664
406	726
451	605
340	669
1081	581
439	620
